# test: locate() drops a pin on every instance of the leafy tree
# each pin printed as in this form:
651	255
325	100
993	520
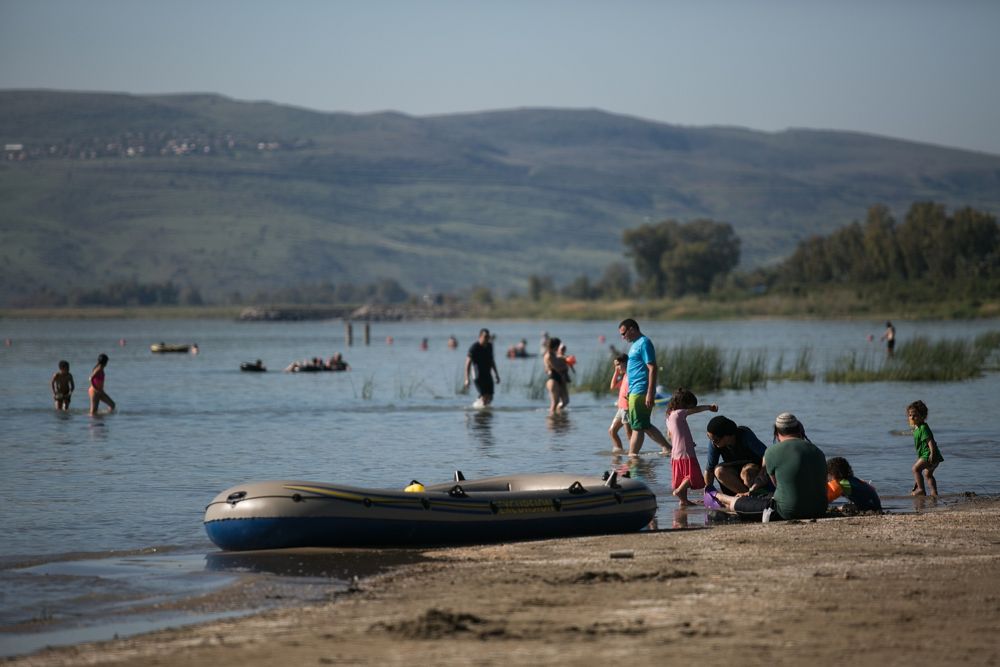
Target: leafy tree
930	246
616	281
539	287
580	288
481	295
676	259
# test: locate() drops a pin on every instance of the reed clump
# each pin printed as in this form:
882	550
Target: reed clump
596	378
801	371
919	360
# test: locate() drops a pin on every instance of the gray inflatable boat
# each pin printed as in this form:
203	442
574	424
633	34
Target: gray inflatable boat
282	514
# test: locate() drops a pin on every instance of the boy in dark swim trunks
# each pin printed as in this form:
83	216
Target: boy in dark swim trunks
62	386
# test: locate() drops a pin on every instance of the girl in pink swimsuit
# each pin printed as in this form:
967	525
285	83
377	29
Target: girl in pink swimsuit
96	390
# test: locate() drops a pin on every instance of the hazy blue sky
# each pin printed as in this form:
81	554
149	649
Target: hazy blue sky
914	69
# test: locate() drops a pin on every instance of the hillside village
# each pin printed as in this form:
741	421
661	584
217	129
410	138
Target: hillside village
165	143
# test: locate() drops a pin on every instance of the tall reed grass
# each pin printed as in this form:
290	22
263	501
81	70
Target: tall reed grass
919	360
596	378
800	372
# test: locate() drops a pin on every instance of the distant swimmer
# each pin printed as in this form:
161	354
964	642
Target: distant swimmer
889	336
62	386
452	343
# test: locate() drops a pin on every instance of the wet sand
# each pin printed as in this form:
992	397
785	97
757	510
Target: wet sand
893	589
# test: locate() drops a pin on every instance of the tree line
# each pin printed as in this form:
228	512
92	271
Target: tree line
930	249
674	259
929	245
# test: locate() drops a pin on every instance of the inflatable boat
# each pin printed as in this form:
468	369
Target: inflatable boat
283	514
253	366
163	348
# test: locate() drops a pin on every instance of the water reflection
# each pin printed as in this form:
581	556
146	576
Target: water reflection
923	503
636	467
680	518
98	429
328	563
480	424
558	422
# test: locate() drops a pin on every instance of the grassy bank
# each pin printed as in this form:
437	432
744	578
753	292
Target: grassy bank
832	303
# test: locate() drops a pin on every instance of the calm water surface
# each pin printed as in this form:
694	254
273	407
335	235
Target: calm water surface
104	514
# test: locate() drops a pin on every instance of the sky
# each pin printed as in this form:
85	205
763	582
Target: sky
919	70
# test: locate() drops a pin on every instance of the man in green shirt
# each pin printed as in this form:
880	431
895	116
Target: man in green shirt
798	469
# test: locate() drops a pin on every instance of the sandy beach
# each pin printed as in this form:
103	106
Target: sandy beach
890	590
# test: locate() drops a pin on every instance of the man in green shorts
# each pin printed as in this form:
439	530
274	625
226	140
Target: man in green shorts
641	371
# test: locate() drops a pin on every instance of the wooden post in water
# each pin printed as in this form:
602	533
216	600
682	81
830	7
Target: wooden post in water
348	333
368	333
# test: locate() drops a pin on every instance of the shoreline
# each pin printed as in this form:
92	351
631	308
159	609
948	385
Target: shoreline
835	305
872	589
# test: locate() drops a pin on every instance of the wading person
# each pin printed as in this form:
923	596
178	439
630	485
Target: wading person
641	371
481	356
96	391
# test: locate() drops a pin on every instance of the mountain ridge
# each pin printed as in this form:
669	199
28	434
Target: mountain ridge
230	196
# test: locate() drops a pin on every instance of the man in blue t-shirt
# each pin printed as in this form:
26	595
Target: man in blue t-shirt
730	447
641	371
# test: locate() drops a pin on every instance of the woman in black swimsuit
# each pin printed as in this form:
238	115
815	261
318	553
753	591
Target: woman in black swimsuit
557	374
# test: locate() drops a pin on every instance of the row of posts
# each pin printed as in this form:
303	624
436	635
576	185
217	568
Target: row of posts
349	333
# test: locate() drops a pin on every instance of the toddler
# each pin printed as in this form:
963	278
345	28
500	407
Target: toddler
928	454
842	482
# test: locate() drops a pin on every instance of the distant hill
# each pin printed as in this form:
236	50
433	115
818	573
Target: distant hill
231	196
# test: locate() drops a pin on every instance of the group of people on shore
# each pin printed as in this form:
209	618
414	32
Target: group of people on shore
791	479
63	386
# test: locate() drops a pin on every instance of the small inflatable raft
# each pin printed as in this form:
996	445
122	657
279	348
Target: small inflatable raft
282	514
166	348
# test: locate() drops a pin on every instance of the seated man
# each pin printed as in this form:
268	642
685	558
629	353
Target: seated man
736	446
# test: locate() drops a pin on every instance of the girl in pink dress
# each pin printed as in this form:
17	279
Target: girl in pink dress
683	460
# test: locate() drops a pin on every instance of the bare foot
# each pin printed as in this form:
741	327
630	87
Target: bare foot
682	498
665	451
617	450
918	492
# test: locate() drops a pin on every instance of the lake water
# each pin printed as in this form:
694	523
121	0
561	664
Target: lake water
102	516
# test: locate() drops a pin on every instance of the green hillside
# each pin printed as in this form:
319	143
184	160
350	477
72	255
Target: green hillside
230	196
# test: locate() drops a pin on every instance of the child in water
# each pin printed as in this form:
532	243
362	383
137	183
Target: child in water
96	390
928	454
842	482
683	459
62	386
619	382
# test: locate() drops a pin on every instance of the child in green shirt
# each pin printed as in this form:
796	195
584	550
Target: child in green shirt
928	454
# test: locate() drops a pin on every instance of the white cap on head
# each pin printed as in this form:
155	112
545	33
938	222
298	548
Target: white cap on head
786	421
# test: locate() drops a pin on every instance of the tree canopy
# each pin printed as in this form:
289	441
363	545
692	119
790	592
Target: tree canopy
674	259
929	245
